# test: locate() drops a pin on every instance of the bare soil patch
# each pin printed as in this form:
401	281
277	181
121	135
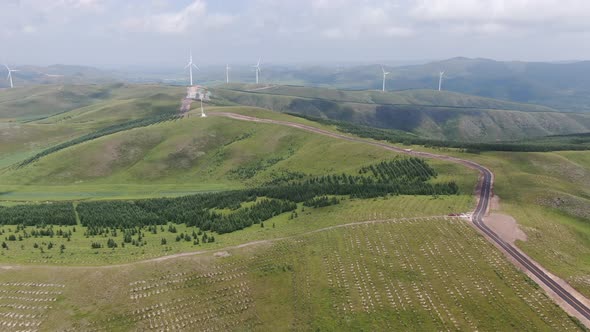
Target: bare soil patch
506	227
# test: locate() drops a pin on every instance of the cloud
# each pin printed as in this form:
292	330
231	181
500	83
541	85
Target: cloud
179	21
507	12
348	29
334	19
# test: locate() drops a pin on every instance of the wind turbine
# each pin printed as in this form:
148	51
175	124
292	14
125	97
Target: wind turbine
227	68
440	79
190	66
257	69
385	73
9	77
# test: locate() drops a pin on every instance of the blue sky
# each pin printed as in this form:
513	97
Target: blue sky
159	32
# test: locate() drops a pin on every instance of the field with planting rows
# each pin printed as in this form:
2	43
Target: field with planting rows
361	276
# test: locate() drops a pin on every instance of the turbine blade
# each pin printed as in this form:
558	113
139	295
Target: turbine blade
185	67
196	66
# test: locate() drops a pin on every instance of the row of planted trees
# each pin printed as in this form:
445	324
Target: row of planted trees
224	212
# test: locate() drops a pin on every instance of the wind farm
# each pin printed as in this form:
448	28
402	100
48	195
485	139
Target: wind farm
294	166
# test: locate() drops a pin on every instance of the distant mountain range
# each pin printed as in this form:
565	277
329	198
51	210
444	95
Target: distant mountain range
562	86
431	114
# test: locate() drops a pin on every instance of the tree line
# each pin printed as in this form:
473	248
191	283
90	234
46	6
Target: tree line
102	132
38	214
400	176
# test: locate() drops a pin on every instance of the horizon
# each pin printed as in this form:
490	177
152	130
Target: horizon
346	64
108	33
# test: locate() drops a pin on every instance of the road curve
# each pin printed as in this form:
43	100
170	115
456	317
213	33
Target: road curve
485	194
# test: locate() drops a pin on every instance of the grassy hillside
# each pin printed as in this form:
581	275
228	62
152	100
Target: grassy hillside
431	114
325	263
548	194
39	102
190	154
43	117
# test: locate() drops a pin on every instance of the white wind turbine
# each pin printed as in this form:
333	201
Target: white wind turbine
440	79
227	68
257	69
190	66
9	77
385	73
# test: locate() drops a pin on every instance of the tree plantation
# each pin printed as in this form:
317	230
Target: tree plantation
222	212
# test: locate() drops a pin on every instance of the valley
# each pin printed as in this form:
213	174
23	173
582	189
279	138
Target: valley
176	157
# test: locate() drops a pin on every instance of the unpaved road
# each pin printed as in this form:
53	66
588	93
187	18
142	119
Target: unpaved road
568	298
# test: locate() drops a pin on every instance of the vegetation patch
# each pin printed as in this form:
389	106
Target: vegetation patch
574	142
395	177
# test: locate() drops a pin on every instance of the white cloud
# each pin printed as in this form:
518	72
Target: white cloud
331	28
179	21
510	11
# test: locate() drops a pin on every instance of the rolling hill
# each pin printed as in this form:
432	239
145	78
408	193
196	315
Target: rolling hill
428	113
562	86
186	154
292	260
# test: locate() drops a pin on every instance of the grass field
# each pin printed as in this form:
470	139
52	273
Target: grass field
548	194
193	155
78	249
364	277
303	273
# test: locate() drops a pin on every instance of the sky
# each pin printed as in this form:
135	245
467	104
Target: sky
161	32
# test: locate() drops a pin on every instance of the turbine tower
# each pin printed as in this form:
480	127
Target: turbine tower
204	95
227	68
440	79
9	77
257	69
385	73
190	66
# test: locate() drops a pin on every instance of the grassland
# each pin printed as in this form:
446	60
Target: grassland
312	274
78	250
193	155
363	277
548	194
56	114
187	156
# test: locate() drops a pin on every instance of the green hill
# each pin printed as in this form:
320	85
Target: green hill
35	118
428	113
39	102
189	154
563	86
308	261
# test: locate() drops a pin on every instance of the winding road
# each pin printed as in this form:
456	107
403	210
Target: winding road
576	306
